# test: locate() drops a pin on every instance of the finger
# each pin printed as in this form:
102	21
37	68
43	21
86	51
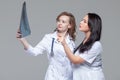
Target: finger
19	32
18	35
65	34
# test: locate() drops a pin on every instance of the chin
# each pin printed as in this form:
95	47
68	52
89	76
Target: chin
80	29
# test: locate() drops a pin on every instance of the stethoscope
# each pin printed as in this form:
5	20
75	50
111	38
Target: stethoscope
52	52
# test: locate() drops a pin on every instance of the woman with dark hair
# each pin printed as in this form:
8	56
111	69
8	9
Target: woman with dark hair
59	64
87	62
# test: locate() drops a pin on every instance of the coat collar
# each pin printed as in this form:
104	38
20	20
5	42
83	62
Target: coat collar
68	38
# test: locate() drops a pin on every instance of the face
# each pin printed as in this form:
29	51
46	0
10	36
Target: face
63	23
84	25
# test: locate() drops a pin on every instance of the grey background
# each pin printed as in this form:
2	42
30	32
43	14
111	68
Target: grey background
16	65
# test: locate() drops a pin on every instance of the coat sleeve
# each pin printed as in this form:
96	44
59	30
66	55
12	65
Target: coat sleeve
42	46
90	56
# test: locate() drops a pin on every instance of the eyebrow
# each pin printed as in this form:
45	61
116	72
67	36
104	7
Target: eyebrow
84	19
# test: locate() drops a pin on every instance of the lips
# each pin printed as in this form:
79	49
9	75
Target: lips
79	26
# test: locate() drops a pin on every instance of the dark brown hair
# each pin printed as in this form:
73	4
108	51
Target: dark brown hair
95	25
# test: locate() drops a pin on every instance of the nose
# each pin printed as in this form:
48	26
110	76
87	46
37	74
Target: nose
80	22
60	23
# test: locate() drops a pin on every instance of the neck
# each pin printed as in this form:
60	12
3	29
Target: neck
60	34
87	35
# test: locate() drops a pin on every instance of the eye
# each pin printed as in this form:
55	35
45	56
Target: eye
63	21
84	21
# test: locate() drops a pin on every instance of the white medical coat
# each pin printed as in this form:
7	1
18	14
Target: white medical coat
59	65
91	69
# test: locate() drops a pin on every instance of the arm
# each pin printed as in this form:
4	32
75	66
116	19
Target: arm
22	40
38	49
73	58
24	43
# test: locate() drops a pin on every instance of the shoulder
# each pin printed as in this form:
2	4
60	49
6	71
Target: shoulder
97	45
49	35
